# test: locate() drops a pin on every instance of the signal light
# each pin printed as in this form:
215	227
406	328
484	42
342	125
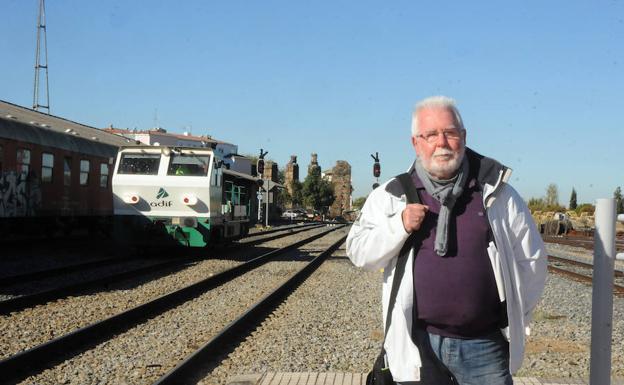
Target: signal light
260	166
376	169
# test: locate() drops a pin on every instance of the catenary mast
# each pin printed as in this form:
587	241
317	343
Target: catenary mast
41	63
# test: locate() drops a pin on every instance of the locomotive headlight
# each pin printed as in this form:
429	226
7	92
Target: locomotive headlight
189	199
131	199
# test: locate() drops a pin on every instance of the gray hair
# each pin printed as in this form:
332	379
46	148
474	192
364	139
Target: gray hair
436	102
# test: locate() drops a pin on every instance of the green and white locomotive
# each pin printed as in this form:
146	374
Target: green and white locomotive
187	195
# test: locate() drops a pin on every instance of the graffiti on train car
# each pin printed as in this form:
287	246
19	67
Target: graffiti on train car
20	194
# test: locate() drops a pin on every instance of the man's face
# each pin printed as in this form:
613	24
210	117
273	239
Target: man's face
442	154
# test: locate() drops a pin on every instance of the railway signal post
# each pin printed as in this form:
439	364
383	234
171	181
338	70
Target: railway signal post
602	293
376	169
260	170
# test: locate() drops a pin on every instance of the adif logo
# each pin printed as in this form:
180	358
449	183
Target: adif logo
161	194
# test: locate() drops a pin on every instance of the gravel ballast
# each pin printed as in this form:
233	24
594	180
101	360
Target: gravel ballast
331	323
147	351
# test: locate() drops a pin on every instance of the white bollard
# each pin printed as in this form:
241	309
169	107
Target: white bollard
620	256
602	293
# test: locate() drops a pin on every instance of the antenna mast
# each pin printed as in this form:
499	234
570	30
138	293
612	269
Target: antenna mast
39	63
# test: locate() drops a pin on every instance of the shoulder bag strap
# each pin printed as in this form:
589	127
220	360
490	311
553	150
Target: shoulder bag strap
412	197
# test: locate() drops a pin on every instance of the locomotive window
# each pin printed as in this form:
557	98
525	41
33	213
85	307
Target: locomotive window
47	166
85	165
103	175
188	165
217	175
23	161
67	171
140	164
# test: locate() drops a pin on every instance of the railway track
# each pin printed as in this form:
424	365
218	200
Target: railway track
23	301
584	242
194	365
585	276
85	266
20	365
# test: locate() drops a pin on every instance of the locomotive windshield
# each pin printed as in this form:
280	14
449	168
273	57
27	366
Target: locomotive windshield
141	164
188	165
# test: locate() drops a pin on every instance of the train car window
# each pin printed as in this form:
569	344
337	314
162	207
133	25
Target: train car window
85	166
23	161
188	165
103	175
47	167
67	171
1	156
139	164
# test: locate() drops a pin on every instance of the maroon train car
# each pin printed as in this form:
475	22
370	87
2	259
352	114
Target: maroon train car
55	174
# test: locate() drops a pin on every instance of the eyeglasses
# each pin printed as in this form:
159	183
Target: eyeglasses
432	136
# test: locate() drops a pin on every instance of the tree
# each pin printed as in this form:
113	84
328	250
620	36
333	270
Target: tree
297	193
536	204
586	208
317	193
539	204
573	199
552	195
358	203
619	201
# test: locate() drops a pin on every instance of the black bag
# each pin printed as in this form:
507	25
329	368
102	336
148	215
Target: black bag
433	370
380	375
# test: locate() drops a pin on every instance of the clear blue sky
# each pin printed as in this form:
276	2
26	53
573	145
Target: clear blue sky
540	84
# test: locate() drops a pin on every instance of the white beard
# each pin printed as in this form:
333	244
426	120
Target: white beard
446	167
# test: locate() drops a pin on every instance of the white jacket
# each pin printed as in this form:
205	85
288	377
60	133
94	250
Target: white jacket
518	259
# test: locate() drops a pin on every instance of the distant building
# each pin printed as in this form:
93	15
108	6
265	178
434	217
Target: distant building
270	171
313	164
160	137
291	173
340	178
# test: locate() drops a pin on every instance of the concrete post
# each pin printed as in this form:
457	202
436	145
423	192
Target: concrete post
602	293
620	256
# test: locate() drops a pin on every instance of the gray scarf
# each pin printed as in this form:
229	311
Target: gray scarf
446	194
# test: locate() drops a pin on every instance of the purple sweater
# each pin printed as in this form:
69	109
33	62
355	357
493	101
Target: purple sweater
455	295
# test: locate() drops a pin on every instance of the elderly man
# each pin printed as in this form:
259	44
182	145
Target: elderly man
476	264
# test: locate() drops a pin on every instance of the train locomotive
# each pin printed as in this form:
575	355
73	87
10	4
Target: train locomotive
187	196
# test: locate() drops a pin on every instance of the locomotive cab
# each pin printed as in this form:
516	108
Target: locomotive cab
184	195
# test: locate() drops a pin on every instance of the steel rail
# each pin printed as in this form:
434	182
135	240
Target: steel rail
56	271
21	365
283	228
617	273
24	301
70	268
617	289
238	329
586	243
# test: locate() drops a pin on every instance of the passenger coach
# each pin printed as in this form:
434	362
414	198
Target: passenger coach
54	174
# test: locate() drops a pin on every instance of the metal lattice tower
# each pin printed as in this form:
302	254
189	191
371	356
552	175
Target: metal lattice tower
41	63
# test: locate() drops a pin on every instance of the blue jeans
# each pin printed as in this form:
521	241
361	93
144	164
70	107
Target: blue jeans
479	361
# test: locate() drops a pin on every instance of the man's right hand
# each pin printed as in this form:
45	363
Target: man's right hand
413	216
